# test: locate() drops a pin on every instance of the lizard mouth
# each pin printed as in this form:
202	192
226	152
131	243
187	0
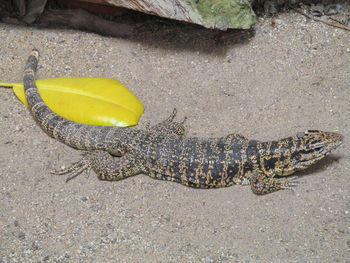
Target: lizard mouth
328	147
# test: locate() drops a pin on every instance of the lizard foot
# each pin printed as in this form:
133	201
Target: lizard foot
261	184
169	126
76	168
290	183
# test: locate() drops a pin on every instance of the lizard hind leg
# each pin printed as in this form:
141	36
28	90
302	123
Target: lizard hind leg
262	184
106	166
111	168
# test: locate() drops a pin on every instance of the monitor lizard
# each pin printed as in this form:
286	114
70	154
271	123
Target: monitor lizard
164	152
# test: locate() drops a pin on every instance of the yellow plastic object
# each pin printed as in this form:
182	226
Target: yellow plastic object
96	101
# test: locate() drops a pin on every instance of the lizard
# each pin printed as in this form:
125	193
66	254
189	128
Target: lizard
164	152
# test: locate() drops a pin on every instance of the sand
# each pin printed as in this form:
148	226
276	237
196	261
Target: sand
286	76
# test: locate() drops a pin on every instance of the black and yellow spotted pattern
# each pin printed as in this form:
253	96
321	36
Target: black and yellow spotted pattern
164	152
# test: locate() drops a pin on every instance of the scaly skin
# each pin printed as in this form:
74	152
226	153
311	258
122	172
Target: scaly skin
163	152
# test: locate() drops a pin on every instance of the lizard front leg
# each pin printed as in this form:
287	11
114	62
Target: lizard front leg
169	126
262	184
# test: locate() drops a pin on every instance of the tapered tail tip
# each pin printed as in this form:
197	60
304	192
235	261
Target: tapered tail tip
35	53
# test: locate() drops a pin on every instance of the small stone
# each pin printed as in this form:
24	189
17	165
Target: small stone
21	235
36	142
331	9
35	246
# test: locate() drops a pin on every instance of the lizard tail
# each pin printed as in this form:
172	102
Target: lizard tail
76	135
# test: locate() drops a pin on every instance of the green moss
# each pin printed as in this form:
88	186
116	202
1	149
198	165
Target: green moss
224	13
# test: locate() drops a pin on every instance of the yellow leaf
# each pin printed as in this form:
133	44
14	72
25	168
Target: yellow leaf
95	101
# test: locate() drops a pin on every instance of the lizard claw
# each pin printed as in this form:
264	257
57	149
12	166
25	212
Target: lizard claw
75	169
290	183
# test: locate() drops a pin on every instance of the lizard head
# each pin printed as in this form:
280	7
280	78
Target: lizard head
304	149
312	146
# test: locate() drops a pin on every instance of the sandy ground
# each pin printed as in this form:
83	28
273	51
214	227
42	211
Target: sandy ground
265	85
